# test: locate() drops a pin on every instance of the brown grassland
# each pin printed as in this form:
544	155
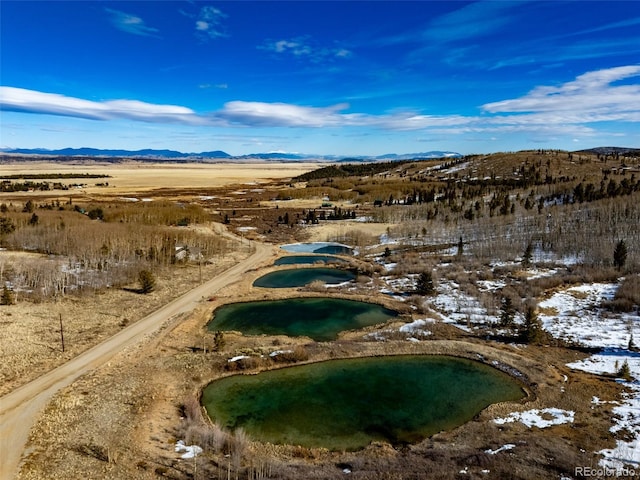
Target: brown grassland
78	264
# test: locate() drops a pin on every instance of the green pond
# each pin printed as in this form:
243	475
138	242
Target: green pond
318	247
319	318
307	259
346	404
297	277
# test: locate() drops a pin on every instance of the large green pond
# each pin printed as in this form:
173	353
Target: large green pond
297	277
307	259
319	318
346	404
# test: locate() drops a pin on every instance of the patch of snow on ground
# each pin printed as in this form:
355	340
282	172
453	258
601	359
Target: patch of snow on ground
245	229
416	325
458	308
539	418
577	315
491	285
401	284
238	358
279	352
508	446
626	414
190	450
533	273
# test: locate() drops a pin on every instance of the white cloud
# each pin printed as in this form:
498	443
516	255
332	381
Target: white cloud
569	110
591	93
303	47
130	23
31	101
209	22
285	115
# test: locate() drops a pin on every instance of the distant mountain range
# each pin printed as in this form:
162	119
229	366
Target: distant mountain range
150	154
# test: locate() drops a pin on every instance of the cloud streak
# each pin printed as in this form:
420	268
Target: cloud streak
130	23
304	48
209	23
591	93
30	101
569	108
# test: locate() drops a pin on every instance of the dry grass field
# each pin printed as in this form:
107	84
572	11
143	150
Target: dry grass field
134	178
124	419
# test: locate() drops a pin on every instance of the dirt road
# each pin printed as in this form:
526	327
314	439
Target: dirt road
20	408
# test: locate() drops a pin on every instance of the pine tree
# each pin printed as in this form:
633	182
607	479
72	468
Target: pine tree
507	312
7	297
527	255
147	281
624	371
425	285
620	255
533	332
218	341
460	248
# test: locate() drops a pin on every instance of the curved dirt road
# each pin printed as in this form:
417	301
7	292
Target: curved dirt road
20	408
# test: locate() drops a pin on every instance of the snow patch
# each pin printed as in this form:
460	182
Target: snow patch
238	358
191	451
539	418
508	446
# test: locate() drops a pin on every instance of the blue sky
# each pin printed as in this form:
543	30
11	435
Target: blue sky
331	77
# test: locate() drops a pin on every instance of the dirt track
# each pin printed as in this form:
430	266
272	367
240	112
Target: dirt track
20	408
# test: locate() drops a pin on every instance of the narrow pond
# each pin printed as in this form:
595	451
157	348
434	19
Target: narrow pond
307	259
320	318
346	404
297	277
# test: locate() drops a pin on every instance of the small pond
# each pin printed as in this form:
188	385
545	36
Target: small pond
318	247
346	404
320	318
297	277
308	260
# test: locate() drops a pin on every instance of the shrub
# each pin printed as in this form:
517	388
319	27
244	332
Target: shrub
147	281
424	285
7	296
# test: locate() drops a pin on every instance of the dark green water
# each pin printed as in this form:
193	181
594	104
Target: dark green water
318	247
319	318
307	259
297	277
346	404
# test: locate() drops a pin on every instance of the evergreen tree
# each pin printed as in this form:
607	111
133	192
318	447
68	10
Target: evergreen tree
527	256
147	281
507	312
620	255
624	371
460	248
6	226
33	221
218	341
7	296
424	285
533	332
